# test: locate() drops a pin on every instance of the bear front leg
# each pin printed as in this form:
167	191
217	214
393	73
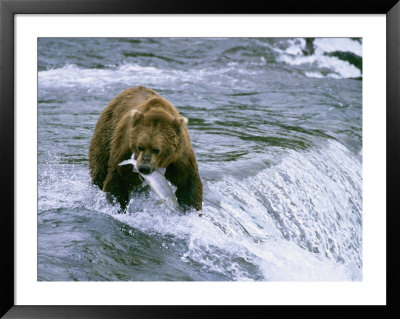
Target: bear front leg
189	192
120	184
121	192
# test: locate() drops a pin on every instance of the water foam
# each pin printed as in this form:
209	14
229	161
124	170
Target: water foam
313	198
127	74
338	44
294	55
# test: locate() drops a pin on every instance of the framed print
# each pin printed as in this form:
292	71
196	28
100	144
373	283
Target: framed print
163	159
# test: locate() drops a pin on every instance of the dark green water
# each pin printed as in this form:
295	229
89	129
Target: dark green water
277	131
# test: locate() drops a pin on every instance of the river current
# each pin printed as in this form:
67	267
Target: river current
276	126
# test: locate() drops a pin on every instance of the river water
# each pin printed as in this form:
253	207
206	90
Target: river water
276	125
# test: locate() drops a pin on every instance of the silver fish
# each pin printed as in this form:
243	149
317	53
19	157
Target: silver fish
157	182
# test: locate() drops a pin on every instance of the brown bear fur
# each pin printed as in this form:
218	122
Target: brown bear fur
142	122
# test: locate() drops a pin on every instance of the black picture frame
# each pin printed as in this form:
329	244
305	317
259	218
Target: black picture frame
8	10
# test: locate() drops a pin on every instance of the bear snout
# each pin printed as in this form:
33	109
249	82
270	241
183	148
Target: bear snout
144	169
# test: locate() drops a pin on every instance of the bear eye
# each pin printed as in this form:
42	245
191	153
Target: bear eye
140	148
156	151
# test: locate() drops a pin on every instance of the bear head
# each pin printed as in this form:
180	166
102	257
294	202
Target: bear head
156	139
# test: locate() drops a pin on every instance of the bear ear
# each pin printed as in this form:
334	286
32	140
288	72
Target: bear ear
180	122
136	116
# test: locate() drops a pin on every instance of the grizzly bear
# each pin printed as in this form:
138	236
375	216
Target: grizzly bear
140	121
